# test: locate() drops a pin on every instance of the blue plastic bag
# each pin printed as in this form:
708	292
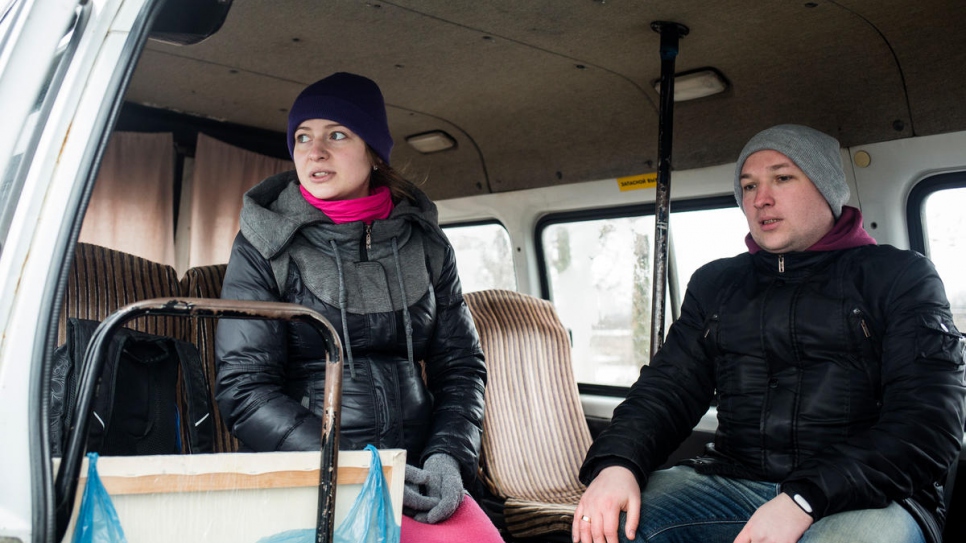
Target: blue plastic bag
97	521
369	520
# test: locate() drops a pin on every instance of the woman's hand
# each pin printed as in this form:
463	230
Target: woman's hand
597	517
415	501
444	486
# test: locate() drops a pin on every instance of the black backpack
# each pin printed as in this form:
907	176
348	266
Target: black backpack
135	410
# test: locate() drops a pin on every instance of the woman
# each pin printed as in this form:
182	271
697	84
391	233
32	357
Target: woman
347	236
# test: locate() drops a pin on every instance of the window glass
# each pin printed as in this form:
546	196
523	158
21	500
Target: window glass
945	226
483	256
599	273
705	235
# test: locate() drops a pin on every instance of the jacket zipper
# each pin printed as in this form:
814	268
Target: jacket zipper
866	331
859	315
712	323
367	242
781	263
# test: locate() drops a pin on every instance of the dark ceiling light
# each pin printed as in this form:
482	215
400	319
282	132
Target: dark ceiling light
695	84
431	142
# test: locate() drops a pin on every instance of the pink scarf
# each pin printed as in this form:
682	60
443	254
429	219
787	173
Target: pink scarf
845	234
378	205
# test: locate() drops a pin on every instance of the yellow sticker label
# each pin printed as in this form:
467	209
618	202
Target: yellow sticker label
634	182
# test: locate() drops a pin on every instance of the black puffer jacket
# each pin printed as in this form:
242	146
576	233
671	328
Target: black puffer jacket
838	374
271	374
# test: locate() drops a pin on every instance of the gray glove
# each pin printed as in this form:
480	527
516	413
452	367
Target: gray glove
414	499
445	485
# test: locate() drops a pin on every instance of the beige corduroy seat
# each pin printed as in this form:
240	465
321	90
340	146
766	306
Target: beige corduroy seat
534	432
102	280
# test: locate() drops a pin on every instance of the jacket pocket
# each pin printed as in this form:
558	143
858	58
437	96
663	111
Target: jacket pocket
938	339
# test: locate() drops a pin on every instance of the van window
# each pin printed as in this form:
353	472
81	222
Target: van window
483	256
944	226
598	273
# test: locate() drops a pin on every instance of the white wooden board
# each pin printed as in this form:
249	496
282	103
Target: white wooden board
230	497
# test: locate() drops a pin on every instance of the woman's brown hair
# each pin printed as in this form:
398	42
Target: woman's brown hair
383	175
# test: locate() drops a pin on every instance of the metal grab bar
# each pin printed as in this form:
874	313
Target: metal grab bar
69	470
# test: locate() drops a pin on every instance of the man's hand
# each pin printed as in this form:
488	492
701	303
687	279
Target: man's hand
778	521
615	489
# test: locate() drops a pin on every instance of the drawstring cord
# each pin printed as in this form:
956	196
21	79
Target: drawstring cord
342	309
407	321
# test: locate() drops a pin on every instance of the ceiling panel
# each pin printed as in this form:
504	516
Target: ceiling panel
558	91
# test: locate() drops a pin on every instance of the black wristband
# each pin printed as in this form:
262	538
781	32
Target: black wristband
807	496
801	502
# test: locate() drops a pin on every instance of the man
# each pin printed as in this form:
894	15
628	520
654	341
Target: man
836	369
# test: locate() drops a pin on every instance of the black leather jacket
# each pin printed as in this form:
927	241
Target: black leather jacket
838	374
271	374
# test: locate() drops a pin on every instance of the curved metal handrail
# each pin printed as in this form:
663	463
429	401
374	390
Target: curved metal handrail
69	470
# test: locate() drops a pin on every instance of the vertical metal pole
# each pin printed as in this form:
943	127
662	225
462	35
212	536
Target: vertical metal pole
325	517
670	34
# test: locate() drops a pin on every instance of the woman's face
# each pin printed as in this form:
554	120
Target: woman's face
331	160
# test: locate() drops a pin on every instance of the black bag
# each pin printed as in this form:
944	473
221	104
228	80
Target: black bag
135	410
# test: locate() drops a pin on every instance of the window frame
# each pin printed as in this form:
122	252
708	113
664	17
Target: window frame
475	222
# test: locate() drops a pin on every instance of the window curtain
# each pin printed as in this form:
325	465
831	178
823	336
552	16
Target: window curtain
222	173
131	208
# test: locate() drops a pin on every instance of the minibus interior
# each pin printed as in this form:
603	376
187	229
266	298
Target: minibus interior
535	127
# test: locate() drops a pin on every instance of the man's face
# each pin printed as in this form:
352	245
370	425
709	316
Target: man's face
785	211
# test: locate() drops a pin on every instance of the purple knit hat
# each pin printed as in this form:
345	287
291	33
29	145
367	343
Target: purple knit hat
350	100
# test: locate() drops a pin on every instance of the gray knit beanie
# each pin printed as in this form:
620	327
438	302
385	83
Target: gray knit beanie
815	153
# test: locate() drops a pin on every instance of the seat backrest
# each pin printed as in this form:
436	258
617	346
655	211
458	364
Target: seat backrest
535	435
206	282
103	280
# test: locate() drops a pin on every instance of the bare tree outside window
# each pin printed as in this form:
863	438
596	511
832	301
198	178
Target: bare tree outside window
600	284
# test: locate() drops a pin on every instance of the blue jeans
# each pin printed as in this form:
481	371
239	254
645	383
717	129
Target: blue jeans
680	505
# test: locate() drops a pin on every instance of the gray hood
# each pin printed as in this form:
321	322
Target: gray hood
390	274
274	210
